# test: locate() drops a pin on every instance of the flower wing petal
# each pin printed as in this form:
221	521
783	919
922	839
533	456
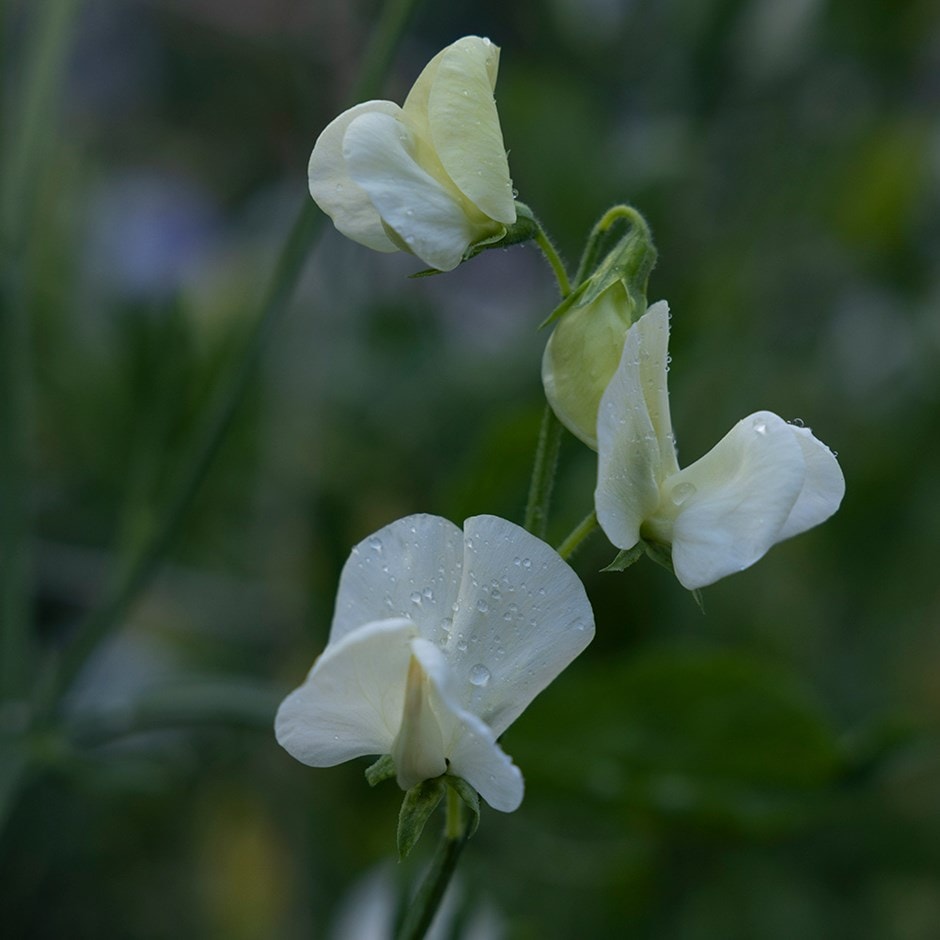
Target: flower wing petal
351	702
335	191
635	448
469	743
379	151
411	568
735	500
822	490
464	126
522	616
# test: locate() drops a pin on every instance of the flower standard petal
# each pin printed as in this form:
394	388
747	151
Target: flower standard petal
335	191
823	487
728	508
379	151
522	616
351	703
634	431
464	126
411	568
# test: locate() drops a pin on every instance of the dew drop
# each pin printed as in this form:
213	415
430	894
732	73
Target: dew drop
482	606
479	675
375	543
760	426
681	492
427	594
527	563
462	644
415	597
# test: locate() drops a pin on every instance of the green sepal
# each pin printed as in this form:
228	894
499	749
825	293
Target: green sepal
662	555
572	300
625	558
416	808
471	799
381	770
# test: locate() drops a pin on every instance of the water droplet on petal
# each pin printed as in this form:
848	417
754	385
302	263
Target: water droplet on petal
681	492
479	675
760	426
462	645
482	606
526	562
415	597
375	543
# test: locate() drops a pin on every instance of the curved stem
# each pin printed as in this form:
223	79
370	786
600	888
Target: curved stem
577	535
137	575
601	228
554	259
429	896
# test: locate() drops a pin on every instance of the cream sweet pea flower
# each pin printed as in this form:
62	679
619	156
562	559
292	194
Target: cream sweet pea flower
430	177
439	641
763	482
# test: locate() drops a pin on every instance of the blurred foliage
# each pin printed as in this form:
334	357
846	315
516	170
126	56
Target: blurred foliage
767	770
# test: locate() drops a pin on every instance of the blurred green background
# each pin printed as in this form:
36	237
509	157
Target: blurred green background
768	770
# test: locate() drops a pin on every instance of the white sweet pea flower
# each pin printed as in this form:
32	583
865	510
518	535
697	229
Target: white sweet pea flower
430	177
439	641
763	482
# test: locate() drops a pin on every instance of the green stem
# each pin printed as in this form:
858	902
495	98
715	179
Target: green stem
592	250
554	259
429	896
28	125
542	481
577	535
138	574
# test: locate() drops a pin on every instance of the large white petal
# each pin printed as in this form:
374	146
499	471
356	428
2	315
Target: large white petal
468	742
335	191
464	126
522	616
635	448
351	702
411	568
379	151
823	487
730	505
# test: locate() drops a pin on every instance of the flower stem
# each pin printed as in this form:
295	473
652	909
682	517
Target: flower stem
554	259
577	535
595	242
429	896
543	474
28	125
138	574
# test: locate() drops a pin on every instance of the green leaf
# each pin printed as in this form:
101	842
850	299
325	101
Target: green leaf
626	557
416	808
381	770
470	797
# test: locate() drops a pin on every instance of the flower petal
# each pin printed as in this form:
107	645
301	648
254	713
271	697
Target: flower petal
522	616
352	701
634	431
379	151
464	126
731	505
822	490
469	743
581	357
334	190
411	568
